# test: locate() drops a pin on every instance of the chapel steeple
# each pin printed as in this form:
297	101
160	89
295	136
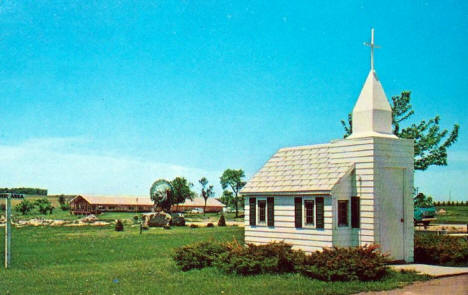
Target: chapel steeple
372	114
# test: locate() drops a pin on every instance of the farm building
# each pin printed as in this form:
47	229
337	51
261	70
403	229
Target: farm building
348	192
97	204
212	205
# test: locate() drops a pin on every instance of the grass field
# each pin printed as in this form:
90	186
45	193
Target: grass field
454	215
93	260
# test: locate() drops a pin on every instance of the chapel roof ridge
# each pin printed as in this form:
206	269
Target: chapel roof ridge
305	147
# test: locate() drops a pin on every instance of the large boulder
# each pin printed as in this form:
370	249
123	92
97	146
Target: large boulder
156	219
177	220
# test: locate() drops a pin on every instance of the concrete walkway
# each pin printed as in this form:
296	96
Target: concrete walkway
455	285
432	270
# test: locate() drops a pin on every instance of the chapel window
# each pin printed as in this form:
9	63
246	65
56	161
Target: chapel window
342	213
261	211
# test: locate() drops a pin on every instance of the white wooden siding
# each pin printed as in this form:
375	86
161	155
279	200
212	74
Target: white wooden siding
369	156
305	238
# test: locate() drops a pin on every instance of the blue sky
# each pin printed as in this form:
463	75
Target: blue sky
104	97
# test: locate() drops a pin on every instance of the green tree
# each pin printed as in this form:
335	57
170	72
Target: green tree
24	207
430	141
227	198
44	206
61	199
421	200
181	190
206	192
233	179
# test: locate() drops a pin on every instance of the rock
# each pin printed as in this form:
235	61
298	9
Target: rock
156	219
100	223
57	223
89	219
177	220
35	222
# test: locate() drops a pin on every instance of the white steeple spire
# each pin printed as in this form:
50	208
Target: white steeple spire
371	45
372	114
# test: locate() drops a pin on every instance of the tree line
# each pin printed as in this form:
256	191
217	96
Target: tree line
24	190
180	189
450	203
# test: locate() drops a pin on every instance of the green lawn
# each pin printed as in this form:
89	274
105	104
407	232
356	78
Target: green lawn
98	260
454	215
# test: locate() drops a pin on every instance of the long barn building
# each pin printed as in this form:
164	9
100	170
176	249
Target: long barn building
83	205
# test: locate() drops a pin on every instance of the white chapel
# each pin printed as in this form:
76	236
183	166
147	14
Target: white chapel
347	192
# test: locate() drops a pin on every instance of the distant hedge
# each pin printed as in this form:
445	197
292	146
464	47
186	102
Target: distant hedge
440	250
450	203
25	190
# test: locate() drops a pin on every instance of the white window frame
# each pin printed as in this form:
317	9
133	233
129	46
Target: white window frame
304	224
263	223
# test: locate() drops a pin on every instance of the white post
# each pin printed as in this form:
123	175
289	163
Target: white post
8	232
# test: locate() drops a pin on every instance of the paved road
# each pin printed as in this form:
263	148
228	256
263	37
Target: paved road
456	285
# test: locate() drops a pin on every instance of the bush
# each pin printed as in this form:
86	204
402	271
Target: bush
194	226
222	221
441	250
65	207
336	264
364	263
61	199
210	225
44	206
257	259
119	225
24	207
198	255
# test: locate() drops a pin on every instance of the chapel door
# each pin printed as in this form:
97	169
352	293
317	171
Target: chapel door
392	213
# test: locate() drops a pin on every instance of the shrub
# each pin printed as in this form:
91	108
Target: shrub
61	199
119	225
336	264
65	207
44	205
257	259
442	250
194	226
222	221
135	218
198	255
210	225
345	264
24	207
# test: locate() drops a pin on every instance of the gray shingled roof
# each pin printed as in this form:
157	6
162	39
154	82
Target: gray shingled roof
297	169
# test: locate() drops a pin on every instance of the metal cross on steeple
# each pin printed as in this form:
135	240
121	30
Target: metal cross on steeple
372	46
